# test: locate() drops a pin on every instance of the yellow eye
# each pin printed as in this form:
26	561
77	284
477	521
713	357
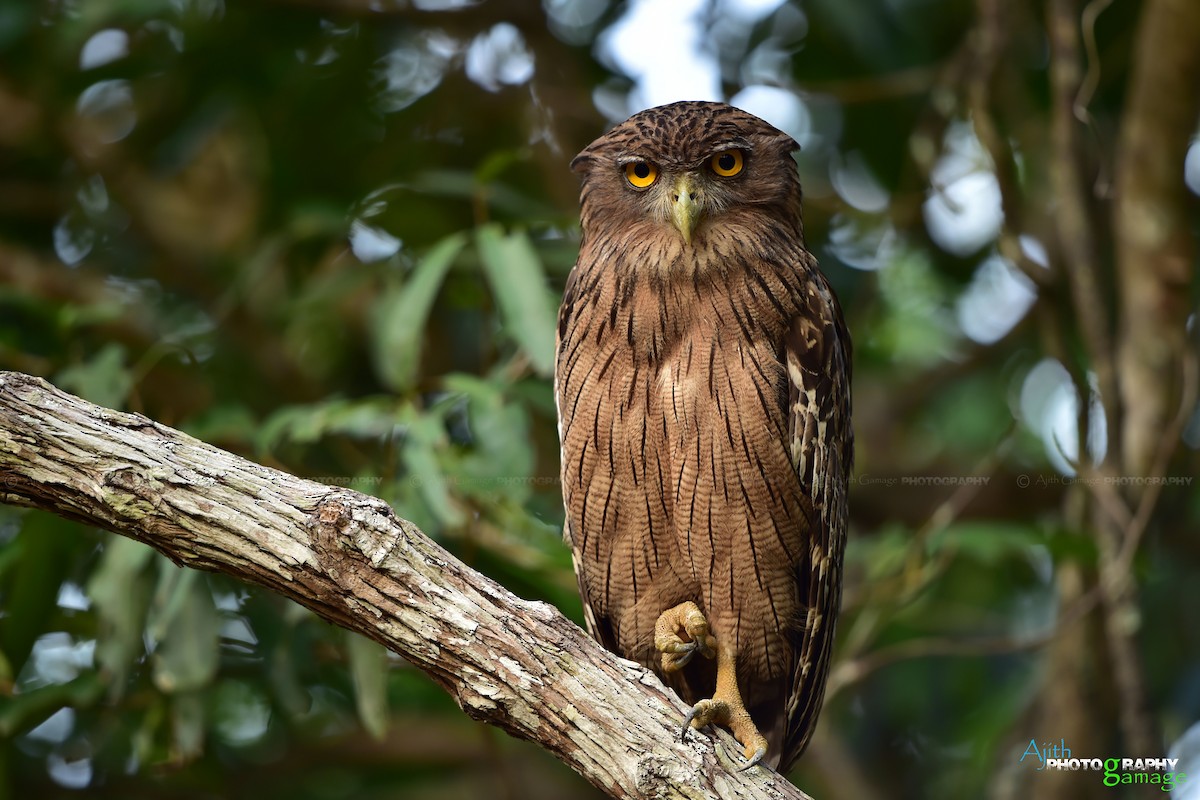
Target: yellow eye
641	174
727	164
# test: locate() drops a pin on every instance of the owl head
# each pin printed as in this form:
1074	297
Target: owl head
690	170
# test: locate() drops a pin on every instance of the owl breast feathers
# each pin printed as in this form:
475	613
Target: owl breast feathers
703	391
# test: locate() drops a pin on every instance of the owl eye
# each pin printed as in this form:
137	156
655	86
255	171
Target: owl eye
727	164
641	174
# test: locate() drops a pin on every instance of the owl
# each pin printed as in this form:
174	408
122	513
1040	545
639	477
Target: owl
703	391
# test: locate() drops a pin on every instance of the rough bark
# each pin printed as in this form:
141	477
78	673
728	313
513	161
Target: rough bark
515	664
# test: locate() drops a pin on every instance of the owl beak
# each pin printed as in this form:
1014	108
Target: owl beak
685	211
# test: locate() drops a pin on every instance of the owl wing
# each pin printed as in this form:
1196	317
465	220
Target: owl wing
817	353
599	627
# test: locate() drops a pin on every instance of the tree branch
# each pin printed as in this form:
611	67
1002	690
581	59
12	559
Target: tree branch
515	664
1155	255
1076	233
1155	249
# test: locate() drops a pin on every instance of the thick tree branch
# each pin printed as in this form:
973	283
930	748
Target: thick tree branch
518	665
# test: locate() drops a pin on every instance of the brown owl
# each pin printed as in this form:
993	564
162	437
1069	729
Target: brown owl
703	390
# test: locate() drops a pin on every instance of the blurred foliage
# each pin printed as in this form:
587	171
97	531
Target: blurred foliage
330	235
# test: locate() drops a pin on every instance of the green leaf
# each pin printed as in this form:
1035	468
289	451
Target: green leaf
883	554
399	316
43	554
240	712
366	418
103	379
187	627
369	669
518	282
16	19
188	724
232	422
916	326
120	591
989	542
425	437
287	692
28	709
500	460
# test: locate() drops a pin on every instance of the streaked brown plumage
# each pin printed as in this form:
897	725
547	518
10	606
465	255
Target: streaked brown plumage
703	389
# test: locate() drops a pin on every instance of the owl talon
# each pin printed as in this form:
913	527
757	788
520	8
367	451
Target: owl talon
678	656
688	620
706	712
726	709
759	752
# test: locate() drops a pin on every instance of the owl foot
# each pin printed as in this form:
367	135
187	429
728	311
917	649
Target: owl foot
726	709
676	650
